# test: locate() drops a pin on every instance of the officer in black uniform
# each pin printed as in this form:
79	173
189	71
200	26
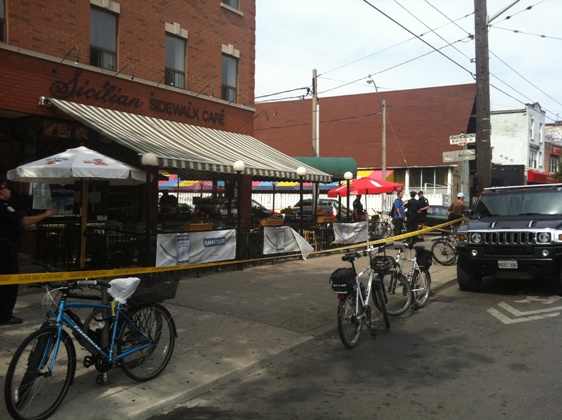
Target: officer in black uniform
11	223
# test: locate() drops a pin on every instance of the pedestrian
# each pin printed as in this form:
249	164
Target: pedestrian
456	210
398	213
358	208
423	205
412	214
11	223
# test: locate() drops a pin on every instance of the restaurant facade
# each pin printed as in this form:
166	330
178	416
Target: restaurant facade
171	82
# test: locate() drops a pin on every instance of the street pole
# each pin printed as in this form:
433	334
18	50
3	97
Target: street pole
483	126
301	172
348	175
239	167
149	160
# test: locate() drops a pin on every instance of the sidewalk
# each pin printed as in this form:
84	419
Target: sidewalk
228	323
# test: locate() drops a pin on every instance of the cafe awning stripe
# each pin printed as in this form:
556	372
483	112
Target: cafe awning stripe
184	146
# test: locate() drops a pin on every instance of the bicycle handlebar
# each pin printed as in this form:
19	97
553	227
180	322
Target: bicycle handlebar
94	282
352	256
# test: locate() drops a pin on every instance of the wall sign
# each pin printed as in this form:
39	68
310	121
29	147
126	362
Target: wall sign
79	87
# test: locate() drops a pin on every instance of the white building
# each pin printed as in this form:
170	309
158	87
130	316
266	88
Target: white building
518	137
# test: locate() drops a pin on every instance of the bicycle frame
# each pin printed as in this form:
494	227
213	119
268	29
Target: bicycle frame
61	319
368	288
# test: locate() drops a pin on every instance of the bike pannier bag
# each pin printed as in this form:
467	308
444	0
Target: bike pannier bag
424	258
343	281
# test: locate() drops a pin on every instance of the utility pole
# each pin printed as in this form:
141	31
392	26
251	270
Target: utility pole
315	145
483	126
383	145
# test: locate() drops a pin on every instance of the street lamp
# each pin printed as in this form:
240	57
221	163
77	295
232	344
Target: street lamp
301	172
149	160
201	184
348	175
273	184
239	167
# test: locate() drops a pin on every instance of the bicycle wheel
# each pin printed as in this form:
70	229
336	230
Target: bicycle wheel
152	330
444	252
350	322
397	294
378	300
421	287
32	390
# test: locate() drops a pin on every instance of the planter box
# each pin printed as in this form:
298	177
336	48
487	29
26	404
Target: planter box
265	222
197	227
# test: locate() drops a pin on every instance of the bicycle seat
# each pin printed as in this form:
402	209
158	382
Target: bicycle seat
123	288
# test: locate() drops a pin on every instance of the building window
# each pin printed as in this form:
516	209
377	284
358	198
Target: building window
103	39
232	3
175	61
229	91
553	164
532	130
533	159
2	21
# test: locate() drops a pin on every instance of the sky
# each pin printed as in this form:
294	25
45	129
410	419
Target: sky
348	40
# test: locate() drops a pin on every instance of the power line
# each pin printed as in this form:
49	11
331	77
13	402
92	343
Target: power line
517	31
418	37
528	81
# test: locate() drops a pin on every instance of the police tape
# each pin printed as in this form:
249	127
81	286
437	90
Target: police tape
45	277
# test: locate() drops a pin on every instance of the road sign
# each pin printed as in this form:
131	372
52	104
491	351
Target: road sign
458	156
462	139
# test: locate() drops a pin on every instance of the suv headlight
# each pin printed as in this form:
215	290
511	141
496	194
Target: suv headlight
543	237
476	238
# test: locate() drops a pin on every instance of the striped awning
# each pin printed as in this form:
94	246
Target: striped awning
184	146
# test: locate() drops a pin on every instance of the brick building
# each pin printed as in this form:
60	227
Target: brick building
130	77
419	123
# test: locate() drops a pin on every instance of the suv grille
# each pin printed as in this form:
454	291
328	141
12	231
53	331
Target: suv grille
510	238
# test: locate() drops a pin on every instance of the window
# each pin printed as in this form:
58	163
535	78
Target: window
229	91
231	3
103	39
533	159
2	21
532	130
175	61
553	164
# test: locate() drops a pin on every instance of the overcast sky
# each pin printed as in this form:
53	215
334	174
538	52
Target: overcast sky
347	40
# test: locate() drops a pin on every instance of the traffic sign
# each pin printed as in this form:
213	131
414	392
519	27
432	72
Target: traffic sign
458	156
462	139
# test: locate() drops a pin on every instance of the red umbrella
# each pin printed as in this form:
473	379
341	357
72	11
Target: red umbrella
366	185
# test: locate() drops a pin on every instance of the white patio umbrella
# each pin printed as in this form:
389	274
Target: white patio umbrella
79	164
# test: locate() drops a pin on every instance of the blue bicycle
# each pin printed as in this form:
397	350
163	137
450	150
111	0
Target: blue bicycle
139	339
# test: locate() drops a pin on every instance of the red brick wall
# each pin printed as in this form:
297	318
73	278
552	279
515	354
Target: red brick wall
53	27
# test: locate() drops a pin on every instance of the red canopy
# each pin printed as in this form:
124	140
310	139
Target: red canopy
366	185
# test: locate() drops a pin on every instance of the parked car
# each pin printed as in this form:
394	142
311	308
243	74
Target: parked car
219	207
436	215
327	205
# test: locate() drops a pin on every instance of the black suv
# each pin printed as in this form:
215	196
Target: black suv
513	232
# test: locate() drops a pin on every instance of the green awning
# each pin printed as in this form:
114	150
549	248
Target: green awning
332	165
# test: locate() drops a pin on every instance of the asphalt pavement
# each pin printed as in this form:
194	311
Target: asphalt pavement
229	322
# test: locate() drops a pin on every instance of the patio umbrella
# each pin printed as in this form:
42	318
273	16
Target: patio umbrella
366	185
79	164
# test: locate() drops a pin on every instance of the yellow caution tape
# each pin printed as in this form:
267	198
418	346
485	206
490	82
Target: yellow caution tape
6	279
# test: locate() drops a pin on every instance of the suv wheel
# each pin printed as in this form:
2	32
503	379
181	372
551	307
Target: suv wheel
468	280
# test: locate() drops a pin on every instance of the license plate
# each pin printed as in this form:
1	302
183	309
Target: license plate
507	264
